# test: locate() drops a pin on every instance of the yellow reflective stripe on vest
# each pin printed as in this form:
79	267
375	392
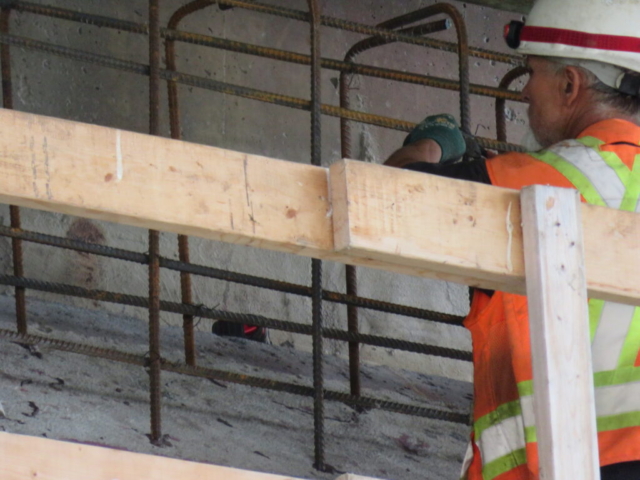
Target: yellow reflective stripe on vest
629	178
504	464
573	174
632	343
634	188
614	327
501	439
506	431
602	179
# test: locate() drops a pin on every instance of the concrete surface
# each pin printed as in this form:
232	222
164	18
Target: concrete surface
66	396
65	88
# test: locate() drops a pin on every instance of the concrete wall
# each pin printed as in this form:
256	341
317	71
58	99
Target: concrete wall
69	89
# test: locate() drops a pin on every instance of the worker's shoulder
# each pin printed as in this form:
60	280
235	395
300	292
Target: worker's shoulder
520	169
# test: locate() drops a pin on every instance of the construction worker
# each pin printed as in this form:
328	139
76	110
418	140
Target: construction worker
584	110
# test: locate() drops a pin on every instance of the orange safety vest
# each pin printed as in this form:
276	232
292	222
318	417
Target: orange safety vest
603	163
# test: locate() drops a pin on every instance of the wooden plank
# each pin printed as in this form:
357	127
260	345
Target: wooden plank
390	219
25	458
564	401
466	232
456	230
163	184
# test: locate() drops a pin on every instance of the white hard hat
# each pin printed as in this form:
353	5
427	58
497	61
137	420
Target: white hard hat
588	31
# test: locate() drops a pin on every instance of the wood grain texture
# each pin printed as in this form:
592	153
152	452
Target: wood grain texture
449	228
564	401
25	458
163	184
466	232
384	218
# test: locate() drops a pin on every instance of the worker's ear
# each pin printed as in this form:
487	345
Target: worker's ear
573	81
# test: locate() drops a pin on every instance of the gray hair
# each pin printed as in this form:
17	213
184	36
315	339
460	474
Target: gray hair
615	100
609	99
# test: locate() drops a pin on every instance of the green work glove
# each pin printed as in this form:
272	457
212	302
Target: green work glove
444	130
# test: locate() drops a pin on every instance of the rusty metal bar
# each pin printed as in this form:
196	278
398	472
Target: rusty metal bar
14	211
176	133
316	292
240	47
211	313
241	379
154	235
99	20
244	92
228	276
351	275
316	265
501	124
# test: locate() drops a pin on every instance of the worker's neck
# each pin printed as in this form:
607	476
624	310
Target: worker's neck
582	118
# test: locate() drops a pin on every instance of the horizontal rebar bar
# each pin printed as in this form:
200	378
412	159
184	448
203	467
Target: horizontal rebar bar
99	20
233	317
240	278
242	379
245	92
266	52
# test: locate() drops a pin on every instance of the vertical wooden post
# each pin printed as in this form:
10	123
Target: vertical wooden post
559	325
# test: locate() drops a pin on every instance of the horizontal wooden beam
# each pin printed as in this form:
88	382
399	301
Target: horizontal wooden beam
159	183
384	218
26	458
467	232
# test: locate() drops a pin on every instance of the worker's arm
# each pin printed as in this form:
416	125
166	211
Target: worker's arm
424	151
437	139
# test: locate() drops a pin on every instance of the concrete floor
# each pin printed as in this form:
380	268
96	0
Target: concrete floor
71	397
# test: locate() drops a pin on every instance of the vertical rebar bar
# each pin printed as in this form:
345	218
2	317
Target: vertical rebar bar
174	122
501	124
154	235
316	265
14	211
351	273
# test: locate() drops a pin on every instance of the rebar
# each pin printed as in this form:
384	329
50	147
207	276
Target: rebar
234	277
205	40
154	235
351	274
356	27
176	133
501	124
231	377
245	318
14	211
244	92
154	362
316	265
462	48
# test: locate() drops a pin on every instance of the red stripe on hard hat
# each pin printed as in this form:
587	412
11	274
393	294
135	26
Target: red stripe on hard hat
580	39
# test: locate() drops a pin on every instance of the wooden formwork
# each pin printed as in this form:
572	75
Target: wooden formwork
361	214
